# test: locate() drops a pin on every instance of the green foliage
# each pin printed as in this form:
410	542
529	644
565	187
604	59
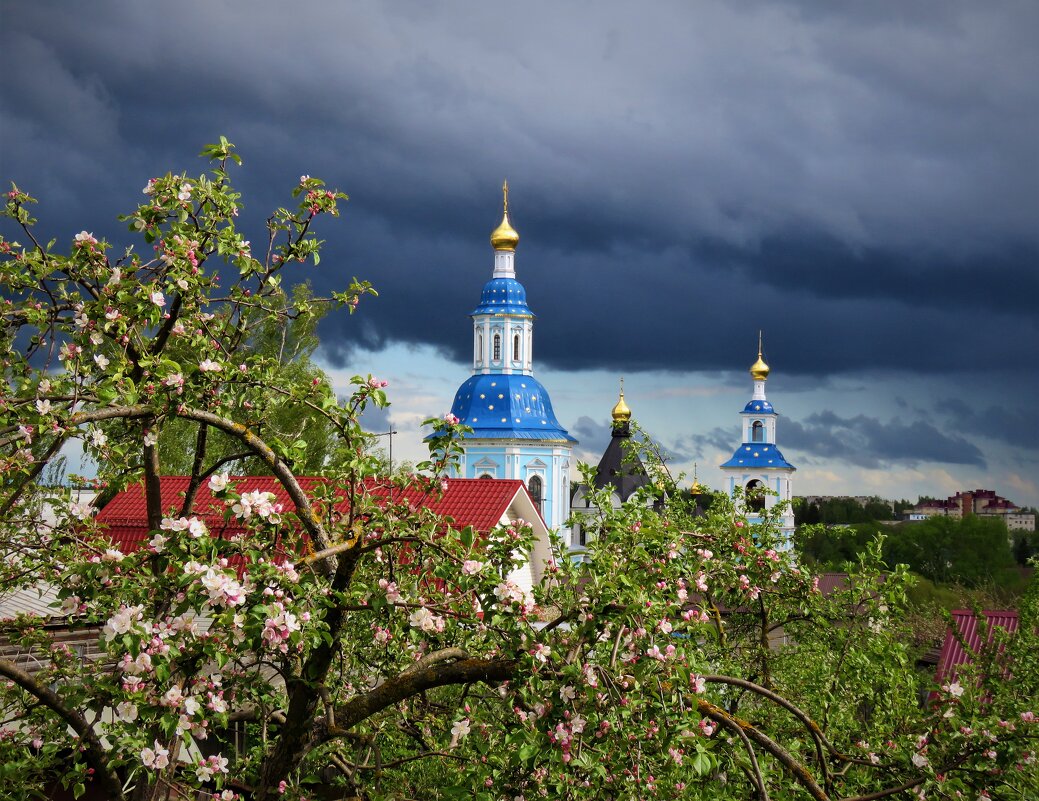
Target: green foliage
971	551
832	547
842	510
282	336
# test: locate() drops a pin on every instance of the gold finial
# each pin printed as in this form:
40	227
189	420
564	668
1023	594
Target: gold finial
504	237
696	488
759	370
621	413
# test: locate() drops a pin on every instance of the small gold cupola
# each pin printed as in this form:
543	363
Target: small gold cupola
696	488
759	370
504	237
621	413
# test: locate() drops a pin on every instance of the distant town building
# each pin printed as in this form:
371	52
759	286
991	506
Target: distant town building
861	500
979	502
757	463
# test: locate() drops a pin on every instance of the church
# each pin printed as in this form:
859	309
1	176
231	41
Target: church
516	434
515	431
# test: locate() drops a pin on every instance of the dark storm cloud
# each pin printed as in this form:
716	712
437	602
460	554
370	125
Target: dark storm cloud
718	438
858	181
593	436
872	443
1013	426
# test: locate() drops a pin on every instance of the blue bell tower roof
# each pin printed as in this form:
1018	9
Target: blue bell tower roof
502	406
503	296
758	455
761	406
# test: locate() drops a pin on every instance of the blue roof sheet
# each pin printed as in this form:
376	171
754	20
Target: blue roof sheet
503	296
500	406
759	407
758	455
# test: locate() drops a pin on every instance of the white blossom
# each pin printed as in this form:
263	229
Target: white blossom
459	731
426	621
81	511
122	621
157	758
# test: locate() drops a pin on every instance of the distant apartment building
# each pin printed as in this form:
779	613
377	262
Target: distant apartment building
861	500
980	502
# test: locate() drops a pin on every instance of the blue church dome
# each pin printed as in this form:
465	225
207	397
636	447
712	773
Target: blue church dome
503	296
758	455
500	406
758	407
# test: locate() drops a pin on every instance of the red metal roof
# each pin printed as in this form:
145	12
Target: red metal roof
480	503
954	654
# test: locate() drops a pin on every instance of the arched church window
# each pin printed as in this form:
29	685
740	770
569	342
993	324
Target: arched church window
755	496
486	475
515	347
497	347
479	346
757	432
537	488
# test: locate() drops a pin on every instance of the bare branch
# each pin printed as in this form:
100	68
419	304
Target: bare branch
766	743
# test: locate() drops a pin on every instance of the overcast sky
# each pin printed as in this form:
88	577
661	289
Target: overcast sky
860	181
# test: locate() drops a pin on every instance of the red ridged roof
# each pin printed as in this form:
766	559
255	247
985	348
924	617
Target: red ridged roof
953	653
479	503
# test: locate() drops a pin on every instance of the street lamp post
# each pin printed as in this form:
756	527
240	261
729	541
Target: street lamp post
389	434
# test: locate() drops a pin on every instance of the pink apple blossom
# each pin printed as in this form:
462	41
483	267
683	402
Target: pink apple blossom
156	758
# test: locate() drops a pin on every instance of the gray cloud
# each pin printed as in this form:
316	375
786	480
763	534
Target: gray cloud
1013	426
593	436
722	439
872	443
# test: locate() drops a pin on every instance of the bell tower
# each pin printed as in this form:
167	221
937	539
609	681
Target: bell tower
758	464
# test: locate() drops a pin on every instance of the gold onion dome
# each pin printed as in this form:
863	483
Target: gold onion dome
696	488
759	370
504	237
621	413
